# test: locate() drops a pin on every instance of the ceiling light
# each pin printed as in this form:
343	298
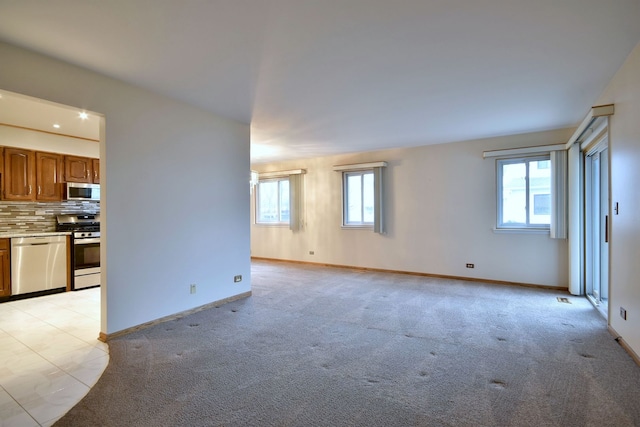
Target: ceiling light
83	115
57	126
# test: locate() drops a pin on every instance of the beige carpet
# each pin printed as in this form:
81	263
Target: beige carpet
335	347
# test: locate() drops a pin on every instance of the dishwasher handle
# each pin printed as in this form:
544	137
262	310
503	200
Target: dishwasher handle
25	242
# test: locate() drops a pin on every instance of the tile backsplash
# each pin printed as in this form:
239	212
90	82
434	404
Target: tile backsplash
39	217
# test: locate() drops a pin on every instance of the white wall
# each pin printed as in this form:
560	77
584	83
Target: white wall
441	209
624	149
175	204
39	141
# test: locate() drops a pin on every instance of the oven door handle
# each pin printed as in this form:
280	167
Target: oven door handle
89	241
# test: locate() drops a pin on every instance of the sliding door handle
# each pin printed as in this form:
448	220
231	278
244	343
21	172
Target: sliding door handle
606	228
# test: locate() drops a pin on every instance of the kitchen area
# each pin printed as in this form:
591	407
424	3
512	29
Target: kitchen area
49	198
50	294
63	260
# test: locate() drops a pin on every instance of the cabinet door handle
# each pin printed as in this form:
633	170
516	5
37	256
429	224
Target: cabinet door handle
29	188
39	190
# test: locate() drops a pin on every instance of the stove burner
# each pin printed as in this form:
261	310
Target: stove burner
79	224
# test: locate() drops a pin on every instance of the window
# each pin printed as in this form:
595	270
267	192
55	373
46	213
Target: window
279	198
358	195
531	188
363	195
524	192
272	201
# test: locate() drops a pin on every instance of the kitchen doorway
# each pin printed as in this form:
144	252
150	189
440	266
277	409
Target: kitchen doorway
61	147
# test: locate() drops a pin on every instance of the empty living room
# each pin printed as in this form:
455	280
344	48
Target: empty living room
354	213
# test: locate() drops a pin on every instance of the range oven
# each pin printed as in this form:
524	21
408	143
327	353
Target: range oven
85	256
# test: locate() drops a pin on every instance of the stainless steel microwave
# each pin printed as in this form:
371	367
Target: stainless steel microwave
82	191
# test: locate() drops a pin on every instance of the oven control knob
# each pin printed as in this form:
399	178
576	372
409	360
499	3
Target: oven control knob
82	235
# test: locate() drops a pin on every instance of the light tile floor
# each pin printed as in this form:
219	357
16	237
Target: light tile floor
50	356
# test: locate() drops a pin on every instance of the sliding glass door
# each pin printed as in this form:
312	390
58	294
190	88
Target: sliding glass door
597	226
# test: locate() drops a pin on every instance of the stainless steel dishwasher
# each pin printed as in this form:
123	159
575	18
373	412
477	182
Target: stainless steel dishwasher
38	264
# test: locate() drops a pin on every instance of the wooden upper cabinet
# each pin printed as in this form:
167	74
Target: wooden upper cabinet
19	174
96	171
78	169
48	176
5	268
34	175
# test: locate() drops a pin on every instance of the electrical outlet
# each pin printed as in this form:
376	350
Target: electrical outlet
192	288
471	266
237	278
623	313
312	253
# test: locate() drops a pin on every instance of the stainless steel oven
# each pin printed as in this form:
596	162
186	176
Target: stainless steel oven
86	255
86	248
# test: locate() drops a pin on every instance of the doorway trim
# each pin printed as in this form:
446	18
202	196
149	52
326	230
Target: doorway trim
592	127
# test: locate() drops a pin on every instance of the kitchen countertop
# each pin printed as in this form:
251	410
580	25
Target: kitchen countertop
12	234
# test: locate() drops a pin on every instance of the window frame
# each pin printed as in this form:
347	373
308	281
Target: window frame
378	194
345	198
279	222
527	225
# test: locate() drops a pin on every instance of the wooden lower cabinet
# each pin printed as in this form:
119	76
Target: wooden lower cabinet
5	267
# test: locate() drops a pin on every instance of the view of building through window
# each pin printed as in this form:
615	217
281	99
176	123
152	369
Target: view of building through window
273	201
525	193
359	198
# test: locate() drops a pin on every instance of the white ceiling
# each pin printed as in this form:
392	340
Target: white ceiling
31	113
319	77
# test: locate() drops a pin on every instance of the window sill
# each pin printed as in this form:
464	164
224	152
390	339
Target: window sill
357	227
521	230
265	224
